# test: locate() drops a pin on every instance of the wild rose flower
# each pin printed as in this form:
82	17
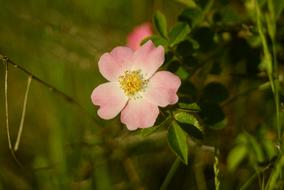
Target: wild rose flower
138	34
135	88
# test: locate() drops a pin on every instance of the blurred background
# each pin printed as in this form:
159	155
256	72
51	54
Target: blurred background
64	144
62	147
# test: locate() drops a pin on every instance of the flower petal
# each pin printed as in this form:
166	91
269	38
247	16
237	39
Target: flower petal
162	89
110	98
113	64
148	58
139	114
138	34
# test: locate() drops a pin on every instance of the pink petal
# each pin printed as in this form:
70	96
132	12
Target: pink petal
113	64
148	58
138	34
110	98
162	89
139	114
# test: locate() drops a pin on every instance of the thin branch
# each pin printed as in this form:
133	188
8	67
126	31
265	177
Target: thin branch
23	114
49	86
6	104
7	113
246	92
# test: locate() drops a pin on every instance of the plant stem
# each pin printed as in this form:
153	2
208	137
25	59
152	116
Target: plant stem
249	181
170	174
271	63
7	113
49	86
23	114
6	104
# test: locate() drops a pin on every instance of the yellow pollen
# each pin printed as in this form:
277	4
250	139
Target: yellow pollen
132	82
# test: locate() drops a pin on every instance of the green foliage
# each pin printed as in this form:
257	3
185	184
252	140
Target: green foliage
178	33
191	107
177	140
157	40
236	156
160	24
189	124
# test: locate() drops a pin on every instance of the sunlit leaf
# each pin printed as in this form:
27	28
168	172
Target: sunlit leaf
177	140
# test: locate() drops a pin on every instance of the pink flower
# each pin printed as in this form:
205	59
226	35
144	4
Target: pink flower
138	34
135	88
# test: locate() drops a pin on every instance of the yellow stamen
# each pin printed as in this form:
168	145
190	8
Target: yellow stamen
132	82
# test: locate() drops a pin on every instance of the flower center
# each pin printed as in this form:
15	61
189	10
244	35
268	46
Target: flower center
132	82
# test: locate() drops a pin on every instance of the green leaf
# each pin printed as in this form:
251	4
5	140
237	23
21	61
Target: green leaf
256	148
184	117
178	142
160	24
148	131
190	124
178	33
192	106
182	73
236	156
157	40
